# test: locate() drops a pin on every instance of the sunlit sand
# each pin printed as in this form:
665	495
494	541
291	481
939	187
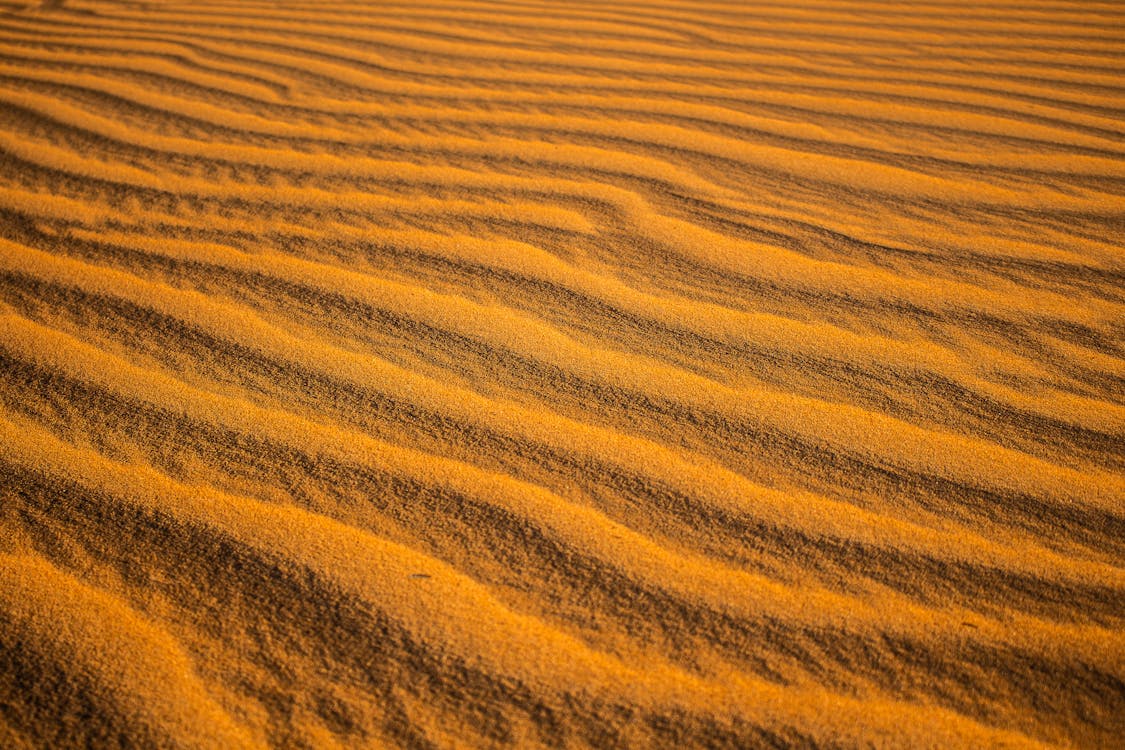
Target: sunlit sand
573	374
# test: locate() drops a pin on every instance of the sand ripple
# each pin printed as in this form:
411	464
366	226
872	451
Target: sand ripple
562	374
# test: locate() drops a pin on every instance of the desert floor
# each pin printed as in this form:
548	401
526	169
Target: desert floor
505	373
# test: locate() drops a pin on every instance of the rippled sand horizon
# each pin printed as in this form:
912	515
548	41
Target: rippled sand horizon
519	374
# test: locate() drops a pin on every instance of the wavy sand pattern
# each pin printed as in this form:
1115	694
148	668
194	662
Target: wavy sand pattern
505	373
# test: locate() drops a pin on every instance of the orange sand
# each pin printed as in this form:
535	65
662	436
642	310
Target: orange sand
573	374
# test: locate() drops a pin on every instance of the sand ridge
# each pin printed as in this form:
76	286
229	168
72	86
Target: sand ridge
537	374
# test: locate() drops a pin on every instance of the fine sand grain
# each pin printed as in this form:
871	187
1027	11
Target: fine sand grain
571	374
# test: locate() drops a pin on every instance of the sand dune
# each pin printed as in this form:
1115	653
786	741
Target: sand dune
518	374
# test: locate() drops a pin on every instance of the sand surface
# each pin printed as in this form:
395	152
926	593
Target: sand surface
513	374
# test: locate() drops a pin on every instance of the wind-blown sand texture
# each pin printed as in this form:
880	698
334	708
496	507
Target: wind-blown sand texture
574	374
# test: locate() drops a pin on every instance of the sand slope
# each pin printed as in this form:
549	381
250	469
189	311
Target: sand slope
580	374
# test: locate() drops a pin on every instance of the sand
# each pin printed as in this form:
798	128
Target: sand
562	374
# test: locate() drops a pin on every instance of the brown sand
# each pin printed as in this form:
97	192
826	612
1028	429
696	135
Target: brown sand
441	374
